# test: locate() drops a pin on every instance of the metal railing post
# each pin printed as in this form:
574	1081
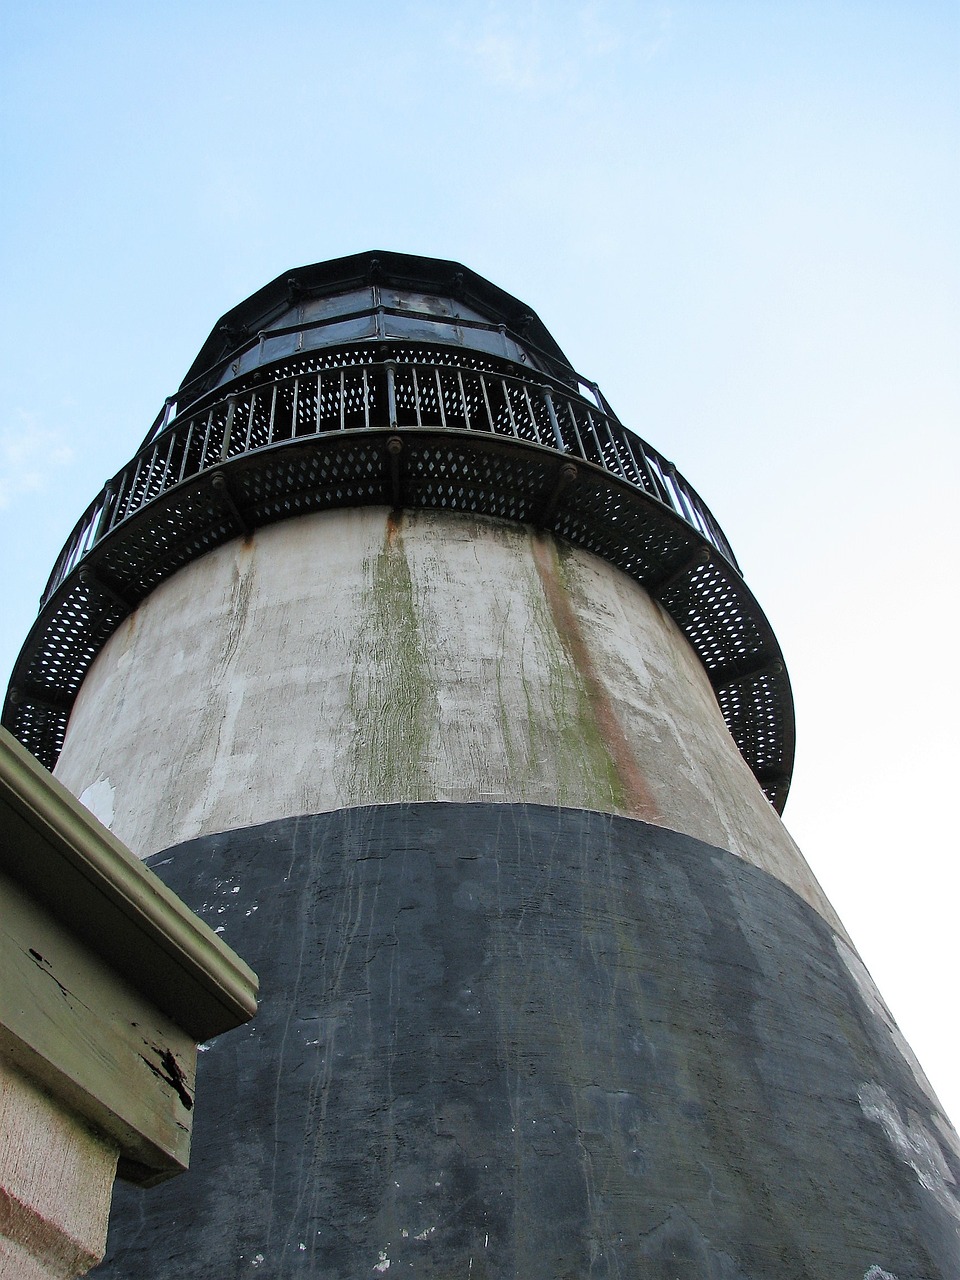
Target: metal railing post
619	452
391	370
554	424
228	428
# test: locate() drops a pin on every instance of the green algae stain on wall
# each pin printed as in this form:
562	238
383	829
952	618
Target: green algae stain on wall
391	700
538	725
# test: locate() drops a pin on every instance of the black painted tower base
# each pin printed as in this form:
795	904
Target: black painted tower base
517	1041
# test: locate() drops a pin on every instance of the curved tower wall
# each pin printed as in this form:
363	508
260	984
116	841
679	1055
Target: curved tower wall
369	657
440	695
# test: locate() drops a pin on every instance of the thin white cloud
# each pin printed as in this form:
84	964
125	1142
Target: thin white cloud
533	47
29	454
512	48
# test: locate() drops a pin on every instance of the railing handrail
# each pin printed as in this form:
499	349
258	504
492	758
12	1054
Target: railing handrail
119	498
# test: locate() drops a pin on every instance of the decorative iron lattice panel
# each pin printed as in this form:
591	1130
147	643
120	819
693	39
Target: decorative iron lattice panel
495	471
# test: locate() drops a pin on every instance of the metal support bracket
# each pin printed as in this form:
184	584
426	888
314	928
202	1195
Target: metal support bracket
566	476
221	487
700	557
28	695
394	453
90	578
739	674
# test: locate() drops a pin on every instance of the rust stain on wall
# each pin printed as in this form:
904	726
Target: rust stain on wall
639	798
394	519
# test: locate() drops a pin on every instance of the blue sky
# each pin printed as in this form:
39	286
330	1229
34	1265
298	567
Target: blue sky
739	218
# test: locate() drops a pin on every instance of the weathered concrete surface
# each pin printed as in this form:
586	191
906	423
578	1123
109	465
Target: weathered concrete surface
519	1041
56	1179
358	657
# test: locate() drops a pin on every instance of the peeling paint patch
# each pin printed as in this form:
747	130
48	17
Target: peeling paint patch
914	1144
171	1072
878	1273
384	1263
98	798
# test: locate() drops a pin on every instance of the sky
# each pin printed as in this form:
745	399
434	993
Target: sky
739	218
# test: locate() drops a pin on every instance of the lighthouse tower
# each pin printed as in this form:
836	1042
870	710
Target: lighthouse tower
440	694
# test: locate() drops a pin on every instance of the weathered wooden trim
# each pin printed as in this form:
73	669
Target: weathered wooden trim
107	1054
56	851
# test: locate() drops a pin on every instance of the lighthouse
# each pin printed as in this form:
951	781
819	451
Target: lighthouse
439	693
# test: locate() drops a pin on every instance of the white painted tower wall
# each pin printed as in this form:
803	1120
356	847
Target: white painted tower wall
357	657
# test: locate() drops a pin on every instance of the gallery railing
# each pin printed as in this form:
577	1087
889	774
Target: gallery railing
296	402
405	424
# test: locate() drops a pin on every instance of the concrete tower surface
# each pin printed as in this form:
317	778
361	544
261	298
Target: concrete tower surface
440	694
